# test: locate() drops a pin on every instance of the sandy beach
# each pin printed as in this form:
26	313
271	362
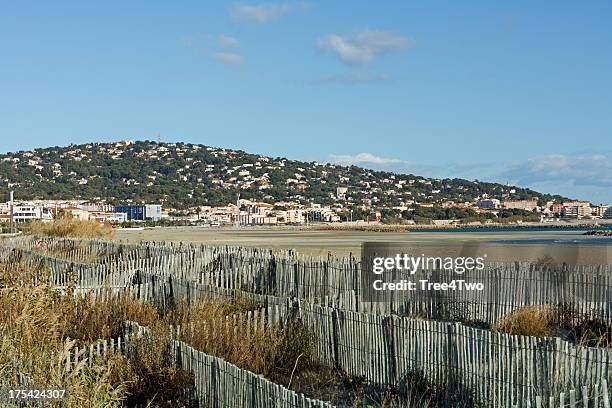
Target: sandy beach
344	243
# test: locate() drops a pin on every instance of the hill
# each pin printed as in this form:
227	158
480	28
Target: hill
182	175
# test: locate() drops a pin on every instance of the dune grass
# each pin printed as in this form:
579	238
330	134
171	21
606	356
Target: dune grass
556	321
68	227
38	322
536	320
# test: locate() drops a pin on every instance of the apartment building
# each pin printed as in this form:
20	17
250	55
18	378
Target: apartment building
141	212
576	209
28	212
527	205
600	210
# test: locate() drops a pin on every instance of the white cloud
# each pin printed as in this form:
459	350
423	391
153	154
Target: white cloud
259	13
229	58
226	41
594	169
362	47
584	175
362	159
350	79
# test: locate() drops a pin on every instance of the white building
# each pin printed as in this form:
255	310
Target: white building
27	212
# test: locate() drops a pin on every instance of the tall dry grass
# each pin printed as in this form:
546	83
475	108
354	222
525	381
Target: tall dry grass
40	327
222	328
556	321
32	343
535	320
37	320
68	227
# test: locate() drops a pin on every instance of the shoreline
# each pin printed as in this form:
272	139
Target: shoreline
375	227
345	241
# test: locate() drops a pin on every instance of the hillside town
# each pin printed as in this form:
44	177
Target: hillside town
185	176
131	182
246	212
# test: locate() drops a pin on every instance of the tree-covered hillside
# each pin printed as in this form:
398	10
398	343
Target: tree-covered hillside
182	175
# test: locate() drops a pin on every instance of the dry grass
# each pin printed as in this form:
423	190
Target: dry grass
535	320
31	343
67	227
45	310
37	320
39	326
221	328
152	376
556	321
89	320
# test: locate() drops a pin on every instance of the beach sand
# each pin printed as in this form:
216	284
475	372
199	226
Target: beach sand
344	243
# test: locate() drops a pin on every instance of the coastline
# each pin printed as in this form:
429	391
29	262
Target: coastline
600	224
349	241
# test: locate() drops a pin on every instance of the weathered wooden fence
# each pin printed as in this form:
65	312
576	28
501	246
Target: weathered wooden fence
495	367
219	383
332	281
64	361
364	338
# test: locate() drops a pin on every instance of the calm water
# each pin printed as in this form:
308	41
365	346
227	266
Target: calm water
511	229
557	241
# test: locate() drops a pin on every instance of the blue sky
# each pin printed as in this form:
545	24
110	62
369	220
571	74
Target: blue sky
517	92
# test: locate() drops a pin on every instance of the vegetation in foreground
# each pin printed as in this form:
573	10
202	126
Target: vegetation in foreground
39	325
556	321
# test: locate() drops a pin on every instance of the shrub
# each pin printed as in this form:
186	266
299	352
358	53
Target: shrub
534	320
67	227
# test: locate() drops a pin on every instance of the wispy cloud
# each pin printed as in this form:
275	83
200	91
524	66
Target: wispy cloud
259	13
228	58
349	79
362	47
215	47
226	41
583	175
367	160
593	169
579	175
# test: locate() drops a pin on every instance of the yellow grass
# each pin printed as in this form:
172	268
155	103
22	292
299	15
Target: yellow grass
39	326
535	320
37	320
67	227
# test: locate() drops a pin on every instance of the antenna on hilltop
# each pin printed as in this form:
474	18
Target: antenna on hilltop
158	138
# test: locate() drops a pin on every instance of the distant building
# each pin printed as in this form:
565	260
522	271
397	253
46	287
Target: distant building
141	212
76	213
110	217
576	209
572	211
527	205
27	212
557	209
488	204
608	212
318	214
600	210
97	207
291	216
